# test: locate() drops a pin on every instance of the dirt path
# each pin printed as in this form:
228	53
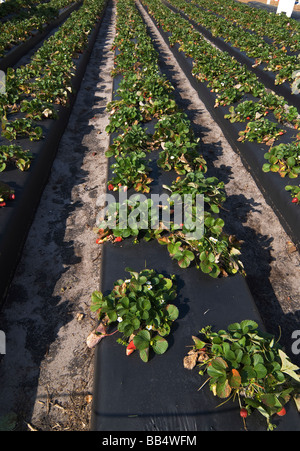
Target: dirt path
46	376
47	373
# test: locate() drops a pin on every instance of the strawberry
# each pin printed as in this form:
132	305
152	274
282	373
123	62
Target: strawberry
12	197
130	348
118	239
110	187
295	200
2	204
282	412
243	413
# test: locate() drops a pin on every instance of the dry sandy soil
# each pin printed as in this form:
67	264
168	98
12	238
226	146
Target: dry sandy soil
46	376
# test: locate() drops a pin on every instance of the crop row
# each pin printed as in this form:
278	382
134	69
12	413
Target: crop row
280	29
34	91
145	95
145	118
240	90
17	30
275	58
19	7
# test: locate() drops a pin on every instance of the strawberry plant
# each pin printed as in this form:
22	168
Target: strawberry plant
131	171
122	116
134	139
179	145
275	59
6	194
21	128
295	193
245	363
142	309
214	253
246	111
14	155
284	159
15	6
38	110
229	80
195	183
261	130
19	28
279	29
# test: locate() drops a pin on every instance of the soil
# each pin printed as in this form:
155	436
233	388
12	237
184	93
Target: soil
47	373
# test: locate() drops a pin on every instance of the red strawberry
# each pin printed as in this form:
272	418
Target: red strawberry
130	348
282	412
110	187
243	413
295	200
2	204
12	197
118	239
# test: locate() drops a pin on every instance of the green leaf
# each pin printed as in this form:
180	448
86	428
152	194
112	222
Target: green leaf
248	325
97	300
270	400
235	327
144	354
217	368
223	389
248	373
257	358
266	167
112	315
184	262
173	312
261	371
164	330
198	343
167	283
142	340
159	345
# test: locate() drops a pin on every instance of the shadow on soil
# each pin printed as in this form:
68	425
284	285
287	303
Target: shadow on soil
39	315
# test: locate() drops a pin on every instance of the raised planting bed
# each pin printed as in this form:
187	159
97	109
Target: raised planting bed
12	56
162	395
251	152
256	64
154	298
17	215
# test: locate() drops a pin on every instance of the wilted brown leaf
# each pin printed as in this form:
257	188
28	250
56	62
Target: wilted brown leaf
190	360
96	336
